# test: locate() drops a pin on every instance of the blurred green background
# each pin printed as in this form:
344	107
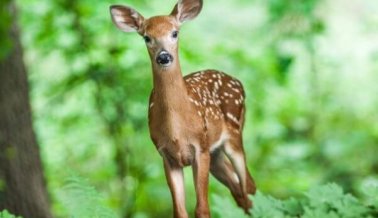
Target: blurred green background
310	70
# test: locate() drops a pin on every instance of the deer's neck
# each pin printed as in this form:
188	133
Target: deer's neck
169	88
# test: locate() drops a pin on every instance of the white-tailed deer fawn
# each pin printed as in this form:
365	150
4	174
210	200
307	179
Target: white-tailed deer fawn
193	120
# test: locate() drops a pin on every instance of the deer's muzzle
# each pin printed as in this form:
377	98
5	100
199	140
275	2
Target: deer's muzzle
164	58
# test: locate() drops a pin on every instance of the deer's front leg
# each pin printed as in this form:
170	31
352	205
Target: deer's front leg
175	179
201	168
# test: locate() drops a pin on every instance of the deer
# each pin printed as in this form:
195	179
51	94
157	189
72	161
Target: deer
193	120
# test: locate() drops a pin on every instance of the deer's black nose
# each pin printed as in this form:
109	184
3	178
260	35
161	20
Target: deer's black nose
164	58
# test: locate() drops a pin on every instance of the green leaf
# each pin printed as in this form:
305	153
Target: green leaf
292	207
267	206
224	207
6	214
83	201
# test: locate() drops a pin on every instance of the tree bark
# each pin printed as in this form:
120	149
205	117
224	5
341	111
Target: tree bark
22	186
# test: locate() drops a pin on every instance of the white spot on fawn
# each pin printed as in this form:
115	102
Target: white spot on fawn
236	90
233	118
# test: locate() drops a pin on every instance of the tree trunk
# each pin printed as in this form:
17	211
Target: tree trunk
22	186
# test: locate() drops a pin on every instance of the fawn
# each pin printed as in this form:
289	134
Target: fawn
193	120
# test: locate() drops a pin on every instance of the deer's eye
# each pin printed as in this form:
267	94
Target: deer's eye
147	39
174	34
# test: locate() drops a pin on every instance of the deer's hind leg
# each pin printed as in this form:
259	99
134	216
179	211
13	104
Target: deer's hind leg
233	148
223	170
251	185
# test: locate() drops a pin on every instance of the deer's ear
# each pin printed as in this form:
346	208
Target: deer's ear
186	10
125	18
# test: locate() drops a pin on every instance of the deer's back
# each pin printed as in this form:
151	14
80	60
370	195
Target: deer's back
217	96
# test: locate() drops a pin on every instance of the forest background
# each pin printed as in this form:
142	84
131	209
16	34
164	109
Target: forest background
310	70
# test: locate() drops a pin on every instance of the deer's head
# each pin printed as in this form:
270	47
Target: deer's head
159	32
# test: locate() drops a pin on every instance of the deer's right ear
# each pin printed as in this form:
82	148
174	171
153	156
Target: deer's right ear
126	19
186	10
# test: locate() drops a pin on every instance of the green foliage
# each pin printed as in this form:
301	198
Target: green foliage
327	201
370	192
323	201
330	199
308	68
6	214
5	24
83	201
225	207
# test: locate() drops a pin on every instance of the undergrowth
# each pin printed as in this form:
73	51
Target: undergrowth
6	214
81	200
327	201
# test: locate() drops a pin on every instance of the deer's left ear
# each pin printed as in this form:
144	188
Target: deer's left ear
126	18
186	10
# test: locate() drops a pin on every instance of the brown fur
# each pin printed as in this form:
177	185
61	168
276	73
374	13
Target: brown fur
193	120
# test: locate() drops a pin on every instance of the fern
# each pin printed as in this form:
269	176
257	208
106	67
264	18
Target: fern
81	200
330	199
371	194
6	214
327	201
224	207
